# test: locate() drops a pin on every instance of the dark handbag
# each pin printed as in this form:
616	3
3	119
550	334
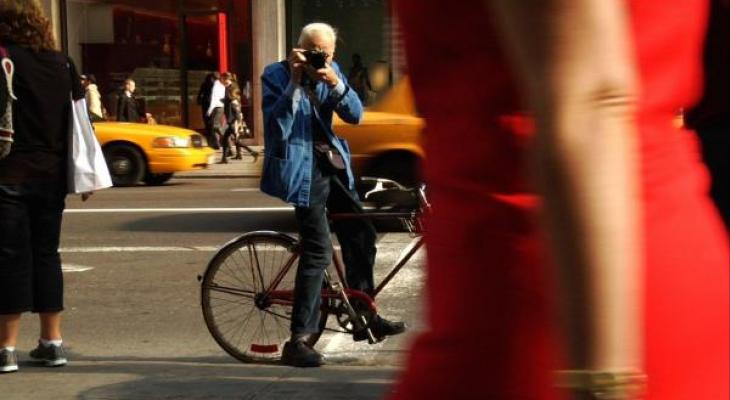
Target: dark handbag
330	156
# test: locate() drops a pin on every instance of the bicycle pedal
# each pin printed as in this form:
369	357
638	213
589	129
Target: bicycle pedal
366	334
336	286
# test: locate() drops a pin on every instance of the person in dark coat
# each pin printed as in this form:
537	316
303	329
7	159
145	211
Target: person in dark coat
203	99
33	165
127	104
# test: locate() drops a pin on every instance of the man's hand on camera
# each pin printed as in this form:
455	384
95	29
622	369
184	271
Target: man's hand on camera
5	146
296	65
327	75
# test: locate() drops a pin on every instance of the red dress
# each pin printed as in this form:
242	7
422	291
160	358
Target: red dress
490	290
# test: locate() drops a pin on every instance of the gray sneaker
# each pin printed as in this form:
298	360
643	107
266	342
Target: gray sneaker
8	361
50	356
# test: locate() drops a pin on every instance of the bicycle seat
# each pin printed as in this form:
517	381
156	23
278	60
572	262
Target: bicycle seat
392	196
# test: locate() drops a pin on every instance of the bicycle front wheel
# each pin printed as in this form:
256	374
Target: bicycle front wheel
247	293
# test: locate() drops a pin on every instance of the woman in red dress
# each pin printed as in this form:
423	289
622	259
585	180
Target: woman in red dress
632	240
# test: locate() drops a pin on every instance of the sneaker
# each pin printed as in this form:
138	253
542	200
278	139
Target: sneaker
300	354
380	327
50	356
8	361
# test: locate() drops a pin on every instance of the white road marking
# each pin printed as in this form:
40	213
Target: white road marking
246	190
75	268
411	277
122	249
337	341
173	210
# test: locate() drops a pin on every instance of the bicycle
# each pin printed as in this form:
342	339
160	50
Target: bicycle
247	289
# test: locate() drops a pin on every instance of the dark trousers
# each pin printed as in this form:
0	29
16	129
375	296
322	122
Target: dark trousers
30	266
356	238
207	123
229	136
218	126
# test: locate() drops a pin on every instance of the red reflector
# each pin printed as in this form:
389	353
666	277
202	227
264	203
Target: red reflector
268	348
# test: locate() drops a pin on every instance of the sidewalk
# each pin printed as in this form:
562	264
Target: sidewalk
149	379
245	168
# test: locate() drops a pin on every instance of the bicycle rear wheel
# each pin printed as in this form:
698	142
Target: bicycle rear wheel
241	313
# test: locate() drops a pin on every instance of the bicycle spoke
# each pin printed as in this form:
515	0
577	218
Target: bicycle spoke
243	323
231	291
232	272
227	311
258	266
238	300
237	257
281	324
249	268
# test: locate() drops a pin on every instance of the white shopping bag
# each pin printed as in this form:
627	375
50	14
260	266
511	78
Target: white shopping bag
87	169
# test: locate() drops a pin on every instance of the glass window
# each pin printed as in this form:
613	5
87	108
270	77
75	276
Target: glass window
166	46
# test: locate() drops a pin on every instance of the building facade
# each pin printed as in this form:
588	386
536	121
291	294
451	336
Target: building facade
169	46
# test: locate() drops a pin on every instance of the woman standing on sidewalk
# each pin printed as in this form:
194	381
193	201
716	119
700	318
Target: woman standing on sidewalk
33	162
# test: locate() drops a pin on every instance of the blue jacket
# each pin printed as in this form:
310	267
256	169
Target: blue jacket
288	152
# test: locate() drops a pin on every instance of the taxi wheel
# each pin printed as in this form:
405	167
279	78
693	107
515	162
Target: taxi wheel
157	179
126	164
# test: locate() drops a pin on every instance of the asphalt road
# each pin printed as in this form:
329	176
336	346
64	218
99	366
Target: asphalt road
133	324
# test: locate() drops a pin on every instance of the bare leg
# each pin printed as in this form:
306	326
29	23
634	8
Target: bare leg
50	325
9	327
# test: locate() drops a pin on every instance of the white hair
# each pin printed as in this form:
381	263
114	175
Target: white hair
317	28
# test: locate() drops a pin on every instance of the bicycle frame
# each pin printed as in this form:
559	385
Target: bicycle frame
286	297
353	309
410	250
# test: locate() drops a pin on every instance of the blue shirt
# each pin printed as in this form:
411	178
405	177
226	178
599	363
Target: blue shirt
288	119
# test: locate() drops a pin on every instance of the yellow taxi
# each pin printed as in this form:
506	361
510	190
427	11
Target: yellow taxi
150	153
387	143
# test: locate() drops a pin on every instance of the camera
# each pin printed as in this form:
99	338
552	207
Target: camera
315	58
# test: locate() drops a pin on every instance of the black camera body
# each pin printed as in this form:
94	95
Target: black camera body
315	58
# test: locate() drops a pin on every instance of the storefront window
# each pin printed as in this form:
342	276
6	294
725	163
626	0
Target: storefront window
166	47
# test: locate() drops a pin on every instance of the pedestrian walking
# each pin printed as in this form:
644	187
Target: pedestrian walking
631	255
93	98
359	79
215	113
203	99
128	103
235	124
33	164
307	165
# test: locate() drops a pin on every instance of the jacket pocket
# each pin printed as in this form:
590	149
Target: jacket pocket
345	147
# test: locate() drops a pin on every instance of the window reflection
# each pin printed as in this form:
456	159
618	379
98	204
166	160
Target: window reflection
143	40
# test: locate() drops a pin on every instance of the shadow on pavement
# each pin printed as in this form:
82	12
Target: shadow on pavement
159	378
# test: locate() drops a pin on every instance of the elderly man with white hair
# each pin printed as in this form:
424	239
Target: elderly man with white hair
307	165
